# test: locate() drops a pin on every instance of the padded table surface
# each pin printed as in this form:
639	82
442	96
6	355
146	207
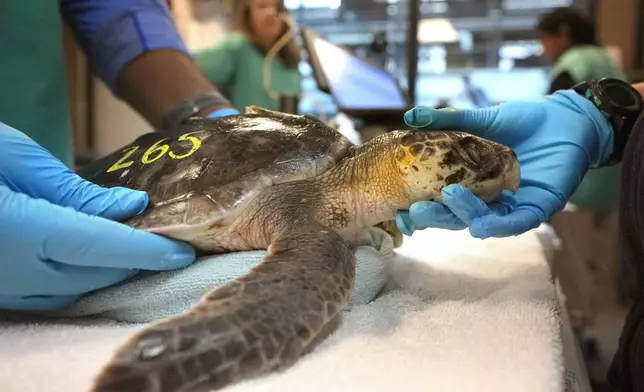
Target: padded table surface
458	314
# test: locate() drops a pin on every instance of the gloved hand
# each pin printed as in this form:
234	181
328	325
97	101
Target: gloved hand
58	235
557	139
223	113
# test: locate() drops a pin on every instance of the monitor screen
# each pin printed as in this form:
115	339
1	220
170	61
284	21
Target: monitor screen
354	83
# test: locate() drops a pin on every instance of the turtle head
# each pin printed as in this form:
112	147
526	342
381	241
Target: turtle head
430	160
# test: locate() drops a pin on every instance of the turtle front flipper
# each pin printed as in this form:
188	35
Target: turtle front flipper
262	321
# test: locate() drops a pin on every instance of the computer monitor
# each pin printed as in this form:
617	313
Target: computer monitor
358	88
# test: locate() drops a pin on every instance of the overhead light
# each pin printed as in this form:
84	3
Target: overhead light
434	8
436	30
533	4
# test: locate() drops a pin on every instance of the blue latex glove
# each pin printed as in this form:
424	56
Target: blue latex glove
58	234
557	139
223	113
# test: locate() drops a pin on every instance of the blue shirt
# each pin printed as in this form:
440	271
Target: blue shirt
112	33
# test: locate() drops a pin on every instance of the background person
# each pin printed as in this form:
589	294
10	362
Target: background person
568	38
236	64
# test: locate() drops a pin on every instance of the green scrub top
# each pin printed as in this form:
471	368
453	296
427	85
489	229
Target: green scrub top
33	96
599	189
236	67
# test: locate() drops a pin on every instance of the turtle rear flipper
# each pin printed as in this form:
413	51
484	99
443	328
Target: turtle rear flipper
261	321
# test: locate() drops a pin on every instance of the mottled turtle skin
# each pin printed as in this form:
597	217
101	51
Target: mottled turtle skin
291	185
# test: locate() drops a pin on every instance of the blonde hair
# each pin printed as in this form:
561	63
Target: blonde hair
290	53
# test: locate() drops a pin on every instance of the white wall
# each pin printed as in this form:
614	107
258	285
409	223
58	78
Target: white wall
115	123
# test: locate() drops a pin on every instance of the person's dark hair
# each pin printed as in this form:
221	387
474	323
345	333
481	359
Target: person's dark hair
581	28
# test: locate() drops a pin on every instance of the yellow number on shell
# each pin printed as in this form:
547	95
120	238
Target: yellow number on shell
156	151
196	143
157	148
121	164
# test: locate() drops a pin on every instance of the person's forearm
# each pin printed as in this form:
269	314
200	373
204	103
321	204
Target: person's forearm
640	88
135	48
155	81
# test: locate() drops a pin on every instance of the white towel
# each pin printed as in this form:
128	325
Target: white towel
153	296
458	314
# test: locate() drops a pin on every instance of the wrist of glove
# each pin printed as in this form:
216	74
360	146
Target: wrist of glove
557	139
223	113
59	234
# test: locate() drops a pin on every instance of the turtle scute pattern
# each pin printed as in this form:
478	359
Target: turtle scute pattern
239	156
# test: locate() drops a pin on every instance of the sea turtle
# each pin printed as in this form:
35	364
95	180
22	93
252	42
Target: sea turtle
296	187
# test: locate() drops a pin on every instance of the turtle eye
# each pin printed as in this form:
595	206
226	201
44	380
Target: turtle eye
416	149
